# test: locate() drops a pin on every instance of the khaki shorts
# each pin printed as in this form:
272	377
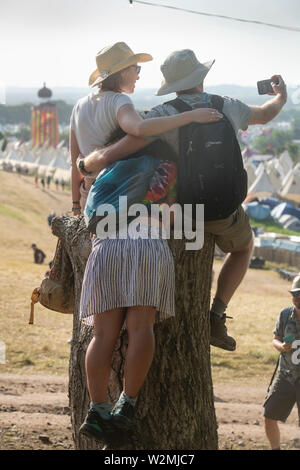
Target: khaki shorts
231	234
281	400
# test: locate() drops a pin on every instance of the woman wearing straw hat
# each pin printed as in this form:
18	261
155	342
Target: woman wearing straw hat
128	279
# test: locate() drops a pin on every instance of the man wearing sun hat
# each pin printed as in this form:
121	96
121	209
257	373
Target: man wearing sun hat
285	391
184	75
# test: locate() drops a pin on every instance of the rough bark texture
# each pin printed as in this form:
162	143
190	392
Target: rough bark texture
175	406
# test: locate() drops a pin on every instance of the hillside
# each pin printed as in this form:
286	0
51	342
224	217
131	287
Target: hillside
23	218
23	215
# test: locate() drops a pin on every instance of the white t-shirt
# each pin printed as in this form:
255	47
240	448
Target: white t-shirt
94	119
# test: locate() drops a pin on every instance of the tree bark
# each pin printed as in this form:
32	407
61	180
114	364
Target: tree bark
175	409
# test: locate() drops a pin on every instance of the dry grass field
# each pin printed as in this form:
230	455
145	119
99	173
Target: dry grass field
43	347
34	376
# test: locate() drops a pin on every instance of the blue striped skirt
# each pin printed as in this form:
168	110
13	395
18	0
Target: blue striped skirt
128	272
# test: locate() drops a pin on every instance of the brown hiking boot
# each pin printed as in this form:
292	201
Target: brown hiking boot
218	333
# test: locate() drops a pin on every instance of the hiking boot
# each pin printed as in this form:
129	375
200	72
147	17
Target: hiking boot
97	427
122	414
218	333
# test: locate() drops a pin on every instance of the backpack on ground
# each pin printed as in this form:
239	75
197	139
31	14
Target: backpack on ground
210	167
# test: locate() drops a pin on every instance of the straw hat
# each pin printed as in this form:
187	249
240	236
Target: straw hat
114	58
182	71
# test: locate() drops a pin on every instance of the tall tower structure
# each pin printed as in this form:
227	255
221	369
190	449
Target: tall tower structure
44	120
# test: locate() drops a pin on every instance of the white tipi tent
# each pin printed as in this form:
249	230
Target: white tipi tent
274	177
292	185
262	184
286	162
250	169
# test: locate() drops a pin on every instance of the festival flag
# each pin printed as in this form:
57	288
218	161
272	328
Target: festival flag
44	125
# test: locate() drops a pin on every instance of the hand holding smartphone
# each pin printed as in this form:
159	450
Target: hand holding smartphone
288	339
265	86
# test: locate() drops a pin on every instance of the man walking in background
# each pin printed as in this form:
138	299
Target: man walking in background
285	391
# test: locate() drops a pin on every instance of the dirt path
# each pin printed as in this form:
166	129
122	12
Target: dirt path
34	414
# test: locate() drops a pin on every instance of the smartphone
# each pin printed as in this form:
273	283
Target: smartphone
288	339
264	86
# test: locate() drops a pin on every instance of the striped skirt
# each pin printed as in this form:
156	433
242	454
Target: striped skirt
125	273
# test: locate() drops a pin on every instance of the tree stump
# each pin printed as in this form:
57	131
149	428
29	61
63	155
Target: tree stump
175	409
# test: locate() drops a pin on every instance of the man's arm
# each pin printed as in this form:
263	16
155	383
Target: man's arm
268	111
76	177
102	158
280	346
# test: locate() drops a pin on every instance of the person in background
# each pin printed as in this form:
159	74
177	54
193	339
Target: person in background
48	181
38	255
284	392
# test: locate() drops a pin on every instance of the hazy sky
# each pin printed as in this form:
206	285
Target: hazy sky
56	40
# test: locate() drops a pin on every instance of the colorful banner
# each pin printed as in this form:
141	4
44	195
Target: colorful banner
44	126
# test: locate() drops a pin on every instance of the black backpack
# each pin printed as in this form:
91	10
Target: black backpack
210	165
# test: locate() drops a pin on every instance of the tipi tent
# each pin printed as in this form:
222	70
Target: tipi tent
286	162
250	173
274	178
292	185
262	184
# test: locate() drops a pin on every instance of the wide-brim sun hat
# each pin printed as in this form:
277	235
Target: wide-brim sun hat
296	284
113	59
182	71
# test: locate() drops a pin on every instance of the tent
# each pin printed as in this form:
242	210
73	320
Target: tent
292	185
250	169
44	158
262	184
286	162
289	222
274	178
257	211
28	157
285	208
270	201
59	161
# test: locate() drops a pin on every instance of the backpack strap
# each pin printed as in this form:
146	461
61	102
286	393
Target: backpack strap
216	102
180	105
274	373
